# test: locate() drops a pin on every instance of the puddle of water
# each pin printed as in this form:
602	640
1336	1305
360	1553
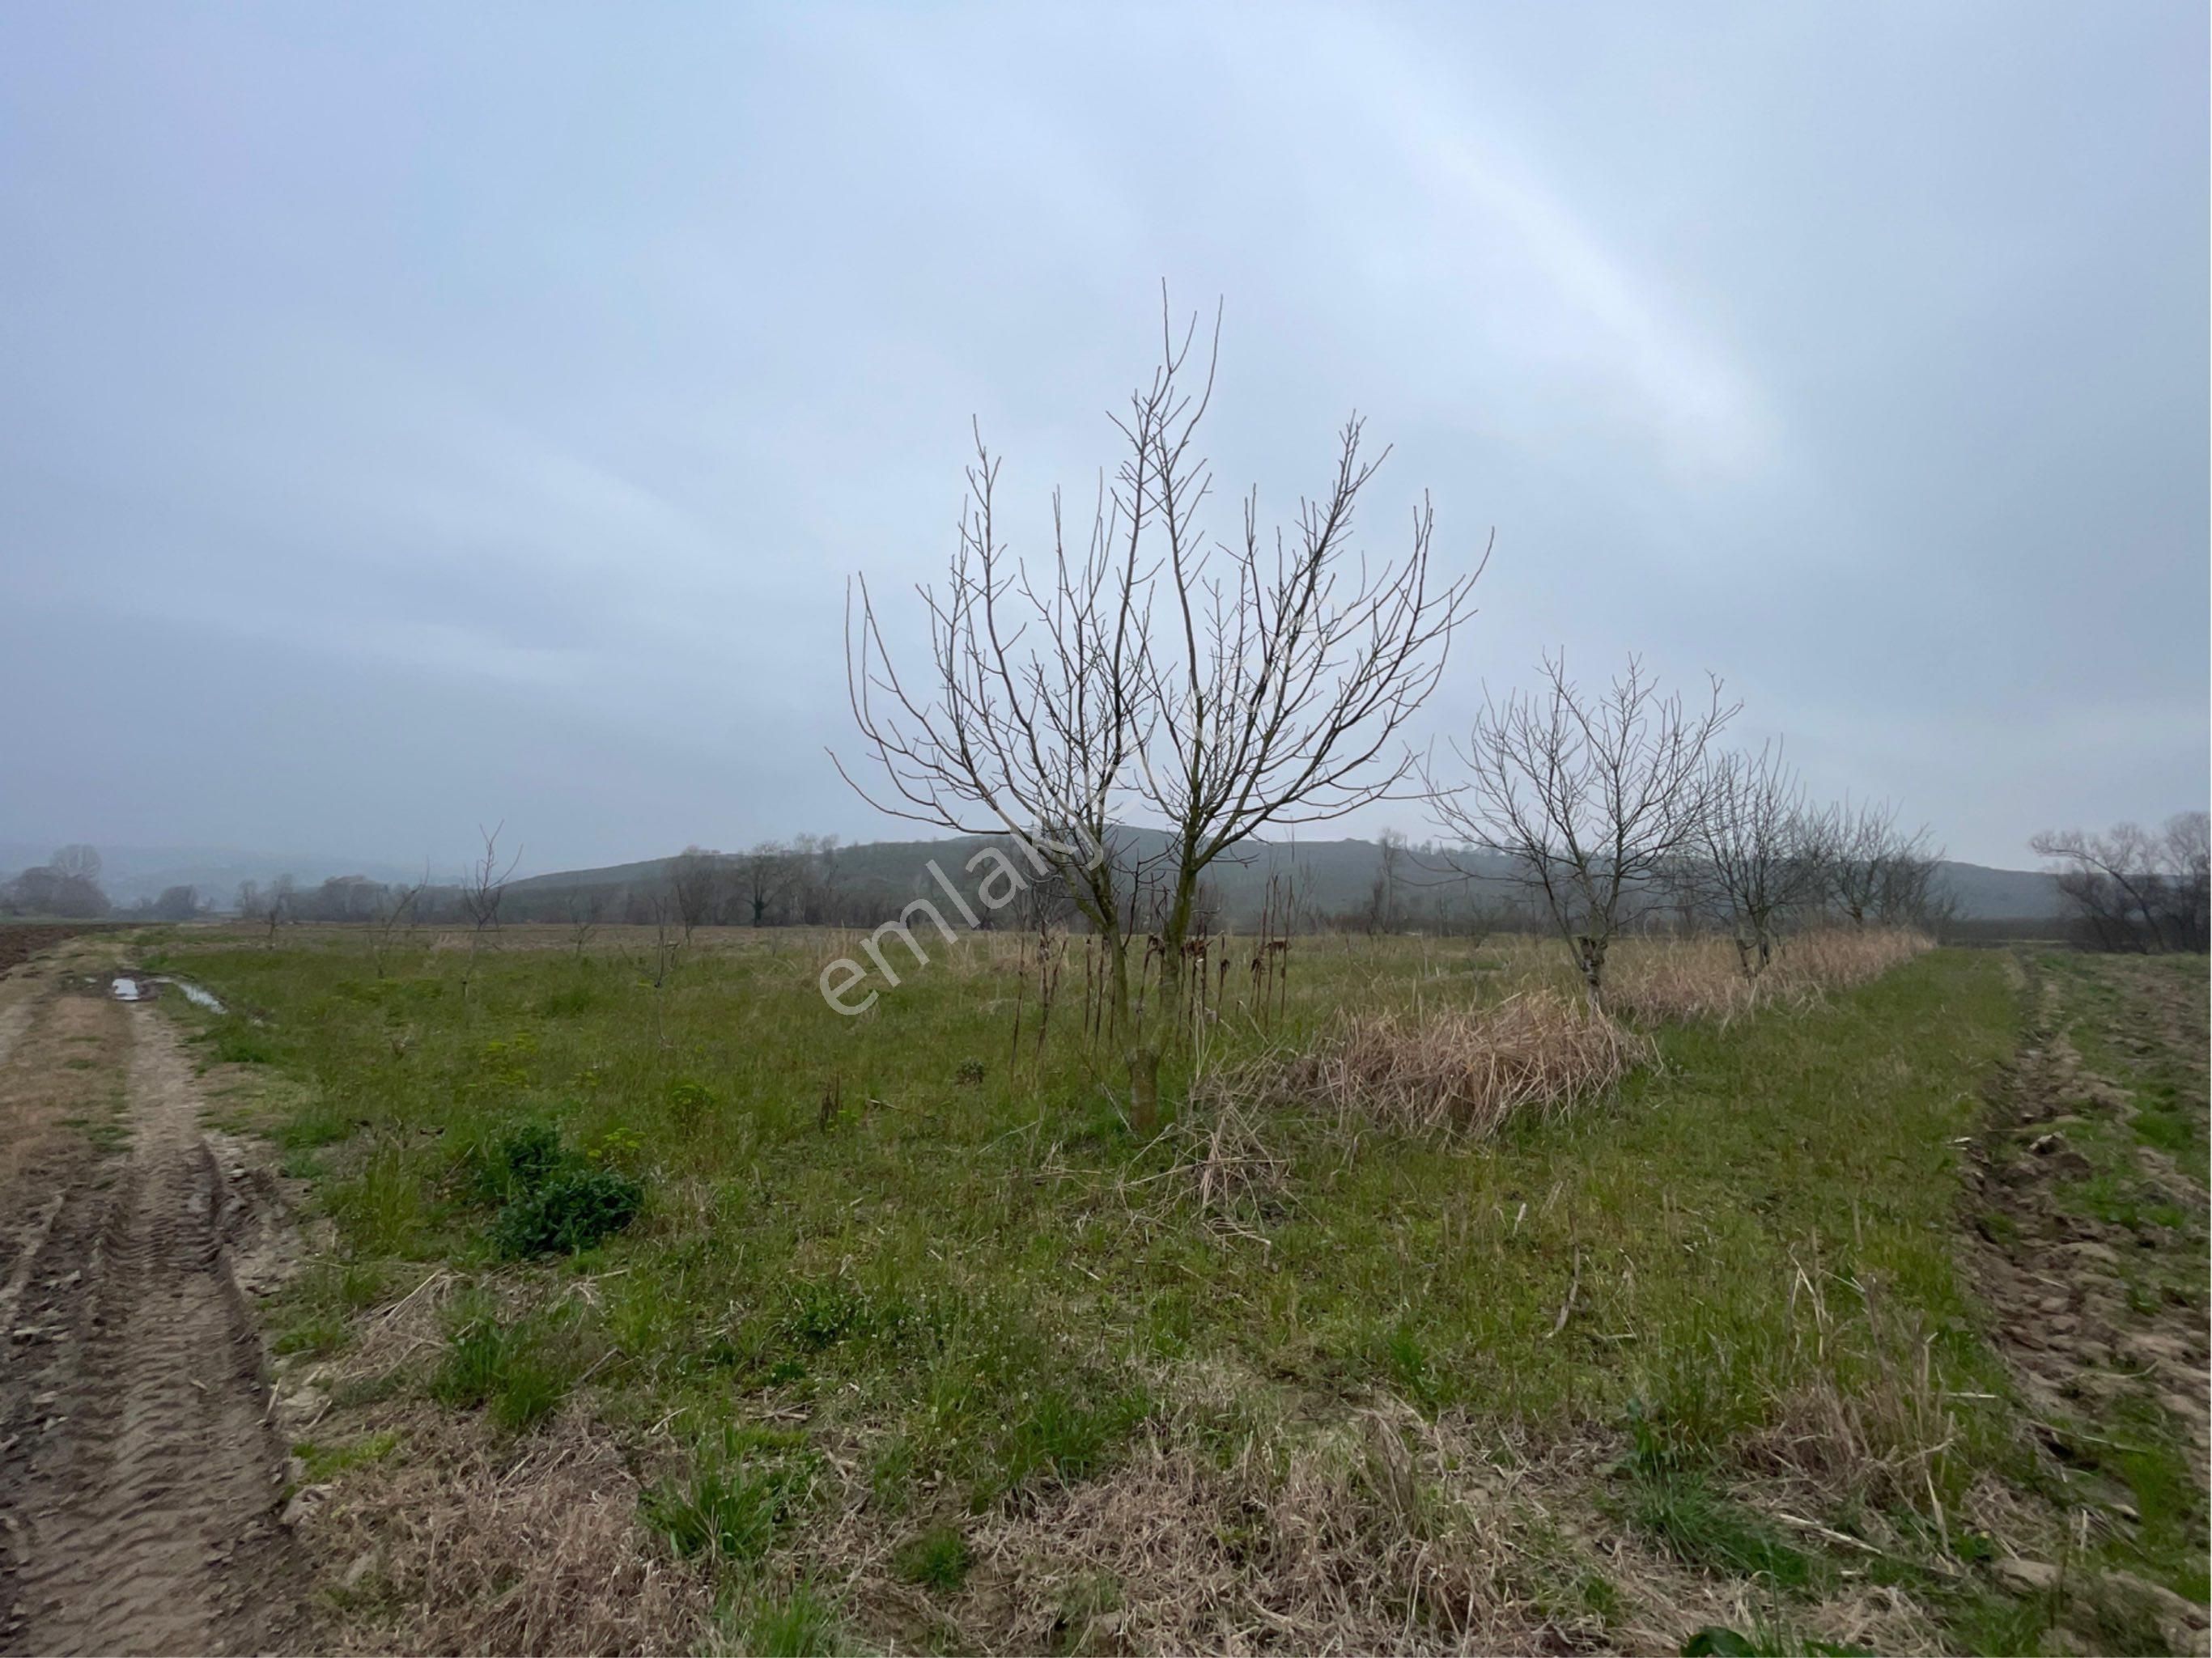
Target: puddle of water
126	990
196	996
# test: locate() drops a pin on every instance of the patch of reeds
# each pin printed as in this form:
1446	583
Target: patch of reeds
1460	1072
1676	981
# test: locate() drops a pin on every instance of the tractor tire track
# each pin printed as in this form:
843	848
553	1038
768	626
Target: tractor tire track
139	1477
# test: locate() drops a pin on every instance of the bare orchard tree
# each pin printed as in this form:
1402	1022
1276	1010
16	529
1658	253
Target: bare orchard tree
1913	894
1592	795
695	879
1872	870
1756	848
483	888
1147	669
2137	889
1284	665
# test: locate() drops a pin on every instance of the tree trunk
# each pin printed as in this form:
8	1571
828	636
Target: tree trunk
1591	953
1144	1088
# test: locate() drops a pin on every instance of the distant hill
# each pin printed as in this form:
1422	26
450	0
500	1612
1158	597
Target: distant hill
1984	893
1331	878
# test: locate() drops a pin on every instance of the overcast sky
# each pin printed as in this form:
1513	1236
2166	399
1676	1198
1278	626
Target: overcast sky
417	415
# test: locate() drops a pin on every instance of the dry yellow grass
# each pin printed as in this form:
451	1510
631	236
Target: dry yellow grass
1384	1532
1463	1071
461	1545
1680	979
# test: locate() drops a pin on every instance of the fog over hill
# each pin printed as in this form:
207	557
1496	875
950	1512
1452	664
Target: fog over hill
1331	878
129	873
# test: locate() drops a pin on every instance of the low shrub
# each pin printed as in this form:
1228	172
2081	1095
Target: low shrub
519	1160
551	1199
572	1211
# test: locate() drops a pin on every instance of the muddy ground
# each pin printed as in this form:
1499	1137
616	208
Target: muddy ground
139	1475
2088	1250
22	940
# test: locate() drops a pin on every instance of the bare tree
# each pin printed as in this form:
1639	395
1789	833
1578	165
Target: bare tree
763	876
1756	848
76	862
815	879
1590	795
269	906
67	885
585	905
2136	889
1872	870
1858	844
395	912
1382	899
695	885
483	887
1221	687
2187	847
1912	891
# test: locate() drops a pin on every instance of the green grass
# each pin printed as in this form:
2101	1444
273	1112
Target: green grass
972	1271
799	1624
516	1370
323	1462
956	1236
937	1558
742	1489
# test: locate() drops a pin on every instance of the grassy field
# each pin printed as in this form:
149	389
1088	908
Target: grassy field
909	1343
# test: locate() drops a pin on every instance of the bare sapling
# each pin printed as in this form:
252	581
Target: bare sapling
585	905
483	887
270	907
1590	795
395	912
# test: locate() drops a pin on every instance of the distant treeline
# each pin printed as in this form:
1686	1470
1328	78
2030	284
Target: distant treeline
1389	886
2127	888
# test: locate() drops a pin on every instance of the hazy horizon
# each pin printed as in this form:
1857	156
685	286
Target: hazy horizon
423	418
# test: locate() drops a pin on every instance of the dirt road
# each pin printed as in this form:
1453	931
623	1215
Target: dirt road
139	1477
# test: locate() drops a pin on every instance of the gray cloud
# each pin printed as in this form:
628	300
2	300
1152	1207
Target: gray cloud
419	417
